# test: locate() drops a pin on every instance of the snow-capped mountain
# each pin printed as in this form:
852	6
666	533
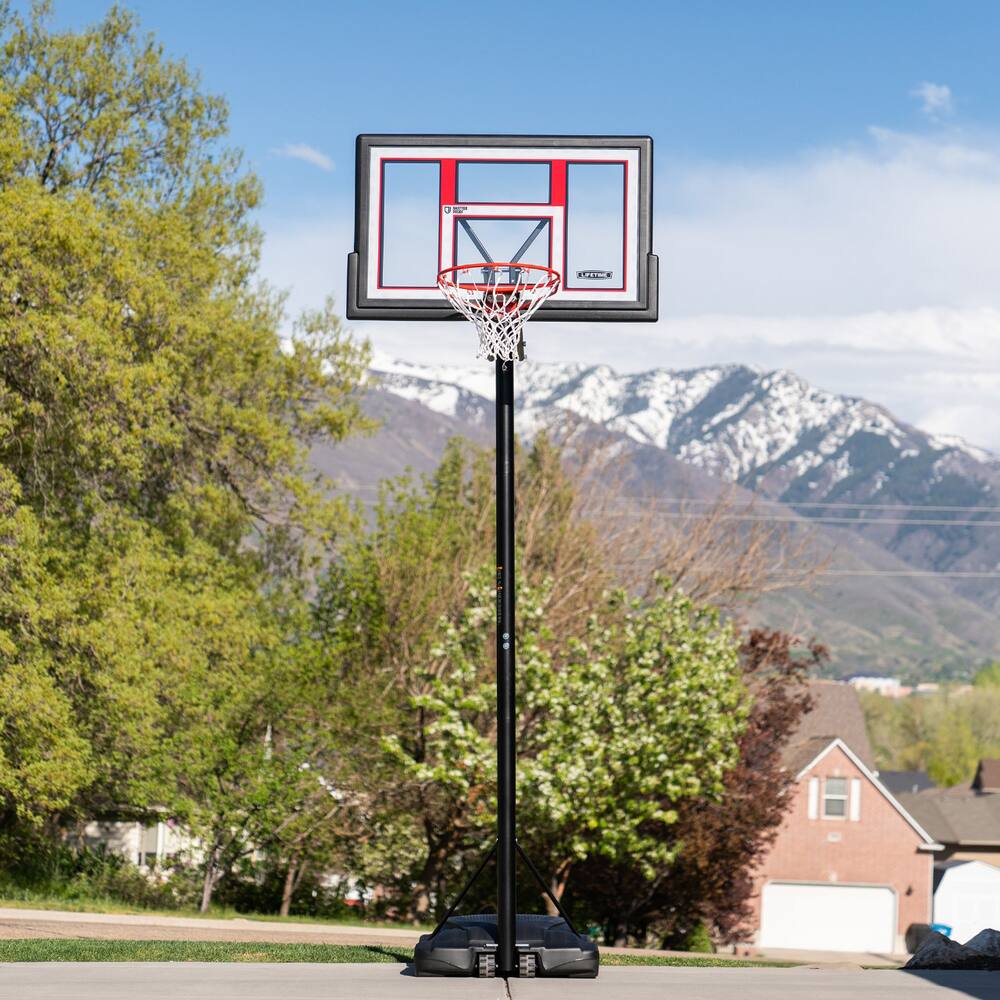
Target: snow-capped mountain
826	455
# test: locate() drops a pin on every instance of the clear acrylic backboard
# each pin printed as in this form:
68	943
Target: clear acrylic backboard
579	205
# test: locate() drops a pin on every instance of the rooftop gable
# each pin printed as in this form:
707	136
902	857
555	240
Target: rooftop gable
836	713
929	842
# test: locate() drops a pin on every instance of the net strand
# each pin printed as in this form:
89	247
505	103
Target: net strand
497	311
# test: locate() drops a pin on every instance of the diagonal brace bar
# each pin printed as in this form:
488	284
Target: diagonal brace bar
544	887
532	236
476	241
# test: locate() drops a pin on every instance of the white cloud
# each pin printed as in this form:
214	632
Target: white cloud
300	151
896	222
935	99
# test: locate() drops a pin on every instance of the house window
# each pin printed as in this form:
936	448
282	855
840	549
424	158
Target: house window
835	798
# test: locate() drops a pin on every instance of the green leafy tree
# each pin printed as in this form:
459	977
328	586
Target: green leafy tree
43	759
642	711
952	754
945	733
988	676
160	522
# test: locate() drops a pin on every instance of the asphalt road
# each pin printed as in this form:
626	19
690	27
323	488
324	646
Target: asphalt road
195	981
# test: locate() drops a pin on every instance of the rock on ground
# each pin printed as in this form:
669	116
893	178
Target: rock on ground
939	952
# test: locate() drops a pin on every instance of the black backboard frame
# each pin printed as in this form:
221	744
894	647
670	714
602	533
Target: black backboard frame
644	310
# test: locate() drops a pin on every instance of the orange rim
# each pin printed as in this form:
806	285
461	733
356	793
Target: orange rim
448	275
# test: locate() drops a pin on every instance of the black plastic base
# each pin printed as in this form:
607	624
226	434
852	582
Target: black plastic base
557	950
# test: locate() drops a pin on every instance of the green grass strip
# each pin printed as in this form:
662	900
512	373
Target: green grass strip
96	950
703	961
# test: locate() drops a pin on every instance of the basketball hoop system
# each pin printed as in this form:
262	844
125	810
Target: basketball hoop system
499	309
580	208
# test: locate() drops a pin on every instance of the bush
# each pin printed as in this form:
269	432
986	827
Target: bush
698	939
76	875
257	887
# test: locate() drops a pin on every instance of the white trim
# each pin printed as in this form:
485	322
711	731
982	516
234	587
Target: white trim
929	842
854	800
540	154
813	798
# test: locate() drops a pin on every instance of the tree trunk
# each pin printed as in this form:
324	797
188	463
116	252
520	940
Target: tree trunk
211	878
557	886
430	876
291	884
421	903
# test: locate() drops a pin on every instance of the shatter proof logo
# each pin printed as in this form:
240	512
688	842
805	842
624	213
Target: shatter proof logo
595	275
455	209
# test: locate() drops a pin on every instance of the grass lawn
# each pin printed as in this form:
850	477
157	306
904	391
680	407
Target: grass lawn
706	961
94	950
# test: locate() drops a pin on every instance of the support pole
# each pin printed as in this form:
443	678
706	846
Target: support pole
506	778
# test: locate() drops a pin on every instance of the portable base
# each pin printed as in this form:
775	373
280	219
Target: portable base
545	947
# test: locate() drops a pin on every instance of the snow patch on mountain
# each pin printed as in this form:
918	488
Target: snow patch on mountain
733	421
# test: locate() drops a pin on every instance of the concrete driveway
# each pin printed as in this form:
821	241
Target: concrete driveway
216	981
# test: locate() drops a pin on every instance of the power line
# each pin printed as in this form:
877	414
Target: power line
971	574
832	503
814	504
821	519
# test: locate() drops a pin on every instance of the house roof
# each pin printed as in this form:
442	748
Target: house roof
836	714
804	752
956	816
987	777
905	781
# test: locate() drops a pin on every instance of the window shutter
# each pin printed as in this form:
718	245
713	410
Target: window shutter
855	799
813	798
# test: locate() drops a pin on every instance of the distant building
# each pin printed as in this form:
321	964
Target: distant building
148	845
889	687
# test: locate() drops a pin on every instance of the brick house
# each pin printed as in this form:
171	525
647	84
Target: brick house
850	869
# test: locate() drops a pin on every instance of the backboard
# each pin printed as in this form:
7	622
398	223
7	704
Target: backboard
580	205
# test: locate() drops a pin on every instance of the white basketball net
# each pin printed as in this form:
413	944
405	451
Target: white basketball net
499	309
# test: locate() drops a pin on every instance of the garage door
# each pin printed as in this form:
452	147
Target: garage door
828	917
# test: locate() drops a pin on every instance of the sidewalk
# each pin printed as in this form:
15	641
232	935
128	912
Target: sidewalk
194	981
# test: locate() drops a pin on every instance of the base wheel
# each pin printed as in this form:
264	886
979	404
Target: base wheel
486	966
526	965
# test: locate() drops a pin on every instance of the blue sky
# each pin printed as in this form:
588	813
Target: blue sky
827	174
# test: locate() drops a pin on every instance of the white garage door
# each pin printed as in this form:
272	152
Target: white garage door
828	917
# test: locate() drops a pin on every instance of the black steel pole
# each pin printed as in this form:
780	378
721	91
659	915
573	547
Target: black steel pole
506	777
